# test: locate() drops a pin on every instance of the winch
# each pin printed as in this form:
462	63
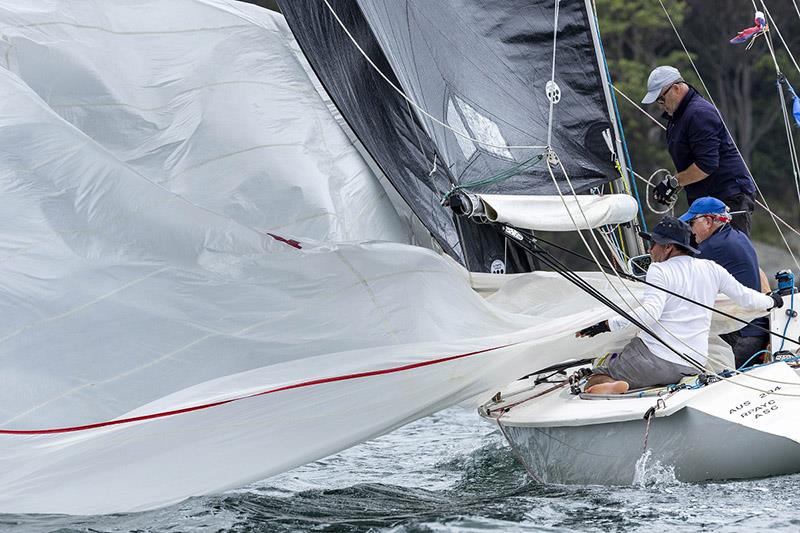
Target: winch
784	321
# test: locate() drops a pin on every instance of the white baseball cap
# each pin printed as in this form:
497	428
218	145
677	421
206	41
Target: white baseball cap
659	79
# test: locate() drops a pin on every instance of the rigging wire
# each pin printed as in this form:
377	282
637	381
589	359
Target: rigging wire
408	99
552	97
778	31
684	356
699	76
787	125
654	319
496	178
651	117
631	277
553	159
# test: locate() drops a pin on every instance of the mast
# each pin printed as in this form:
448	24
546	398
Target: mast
632	239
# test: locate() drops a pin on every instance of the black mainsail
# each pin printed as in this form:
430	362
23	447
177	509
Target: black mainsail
475	76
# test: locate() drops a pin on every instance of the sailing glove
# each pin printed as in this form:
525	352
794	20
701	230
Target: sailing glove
591	331
665	191
777	298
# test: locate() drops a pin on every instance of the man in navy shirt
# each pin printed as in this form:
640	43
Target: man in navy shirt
703	153
733	251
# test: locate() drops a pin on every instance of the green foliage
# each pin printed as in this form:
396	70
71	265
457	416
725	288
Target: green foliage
637	36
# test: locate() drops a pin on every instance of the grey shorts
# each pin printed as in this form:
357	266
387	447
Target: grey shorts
637	366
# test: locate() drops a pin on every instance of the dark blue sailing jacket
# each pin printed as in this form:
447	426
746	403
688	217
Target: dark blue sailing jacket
732	250
696	134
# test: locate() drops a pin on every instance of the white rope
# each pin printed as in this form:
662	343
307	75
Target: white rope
708	356
553	76
774	26
409	100
790	139
796	8
608	262
651	117
697	71
787	126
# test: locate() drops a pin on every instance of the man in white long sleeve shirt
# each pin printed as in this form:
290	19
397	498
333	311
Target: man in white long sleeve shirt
646	361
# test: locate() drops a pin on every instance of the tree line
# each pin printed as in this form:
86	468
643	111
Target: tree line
637	36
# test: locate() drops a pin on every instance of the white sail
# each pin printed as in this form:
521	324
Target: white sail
196	285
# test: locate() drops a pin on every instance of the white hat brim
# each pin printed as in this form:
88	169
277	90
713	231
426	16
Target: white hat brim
651	96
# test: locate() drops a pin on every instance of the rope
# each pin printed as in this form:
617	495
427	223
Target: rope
774	26
497	178
787	125
552	76
409	100
744	365
699	76
597	262
565	272
684	356
790	314
651	117
633	278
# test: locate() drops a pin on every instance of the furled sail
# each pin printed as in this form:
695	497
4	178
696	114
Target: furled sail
475	75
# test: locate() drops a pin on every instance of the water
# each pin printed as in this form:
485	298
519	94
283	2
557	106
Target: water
452	472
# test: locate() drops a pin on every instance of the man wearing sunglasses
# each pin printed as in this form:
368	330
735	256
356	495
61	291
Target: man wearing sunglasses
703	153
717	241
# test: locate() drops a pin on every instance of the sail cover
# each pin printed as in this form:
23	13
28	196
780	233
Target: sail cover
472	67
558	213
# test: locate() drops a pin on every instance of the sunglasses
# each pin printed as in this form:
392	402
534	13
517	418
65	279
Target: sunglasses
663	94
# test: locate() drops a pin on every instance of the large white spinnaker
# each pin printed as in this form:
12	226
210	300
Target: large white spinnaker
187	302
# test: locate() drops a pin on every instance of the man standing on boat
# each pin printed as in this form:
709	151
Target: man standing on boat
732	250
646	361
706	160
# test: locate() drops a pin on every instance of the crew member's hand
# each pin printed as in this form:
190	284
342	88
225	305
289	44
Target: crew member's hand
777	298
591	331
665	191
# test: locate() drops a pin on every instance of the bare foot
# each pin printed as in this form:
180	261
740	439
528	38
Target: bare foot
612	387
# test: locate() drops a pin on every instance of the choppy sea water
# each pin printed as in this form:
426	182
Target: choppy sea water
452	472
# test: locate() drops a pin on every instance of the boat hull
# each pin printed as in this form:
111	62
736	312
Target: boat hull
696	446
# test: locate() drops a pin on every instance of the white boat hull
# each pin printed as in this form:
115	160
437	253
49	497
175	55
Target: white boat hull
721	431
